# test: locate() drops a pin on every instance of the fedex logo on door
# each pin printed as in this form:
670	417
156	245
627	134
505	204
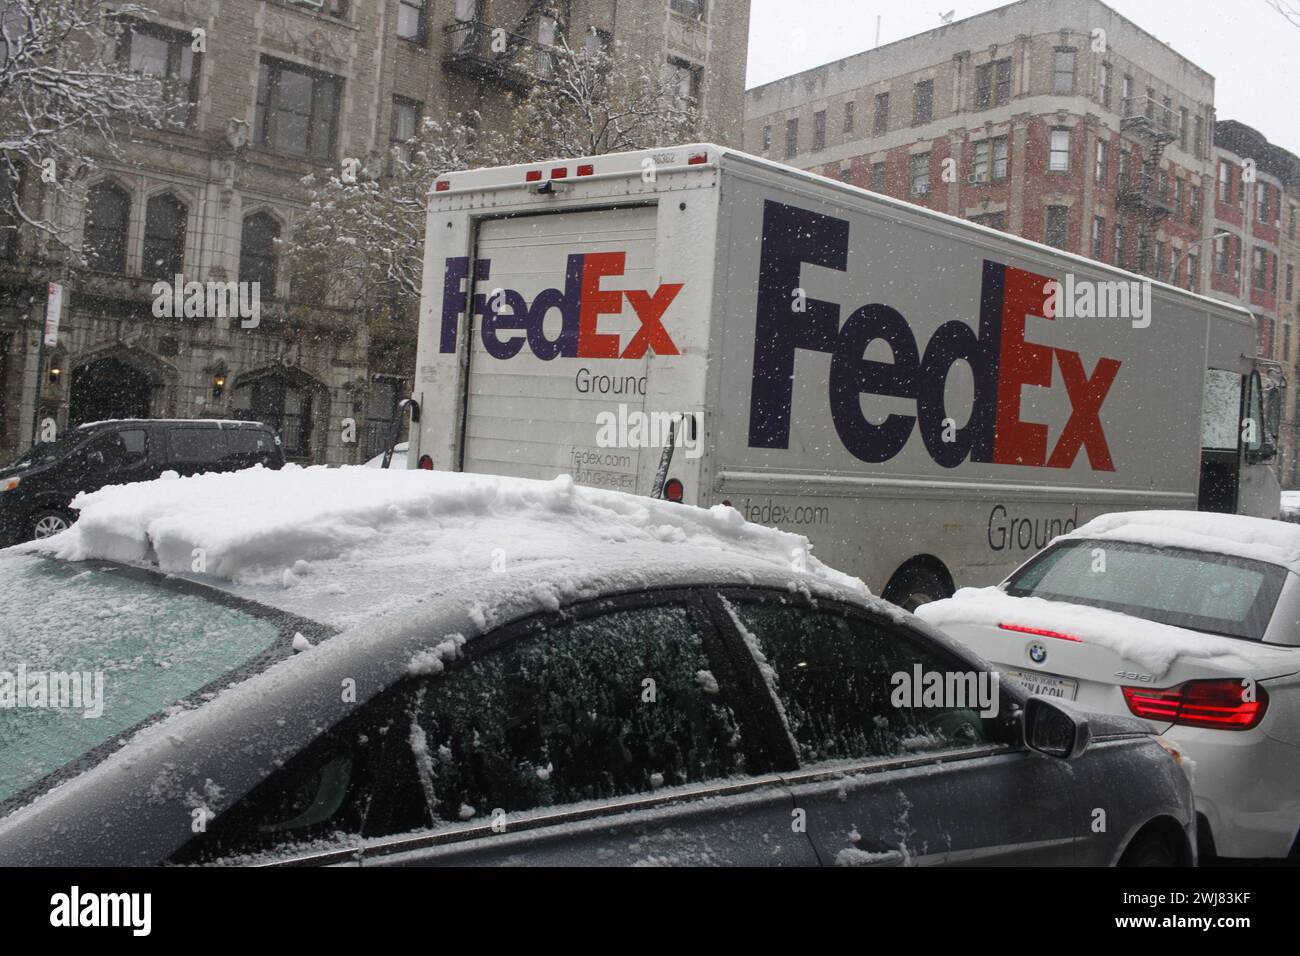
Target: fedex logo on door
1002	360
508	321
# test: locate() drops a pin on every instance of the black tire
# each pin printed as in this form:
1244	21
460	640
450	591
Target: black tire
1150	851
915	586
47	521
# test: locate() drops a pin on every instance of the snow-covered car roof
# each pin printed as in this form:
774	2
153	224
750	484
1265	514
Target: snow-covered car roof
346	546
1259	539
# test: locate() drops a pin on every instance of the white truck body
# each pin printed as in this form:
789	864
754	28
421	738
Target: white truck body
874	375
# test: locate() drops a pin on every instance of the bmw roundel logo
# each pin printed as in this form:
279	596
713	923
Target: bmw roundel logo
1037	652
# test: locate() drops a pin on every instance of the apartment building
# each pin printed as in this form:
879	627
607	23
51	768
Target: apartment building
1057	120
280	90
1256	254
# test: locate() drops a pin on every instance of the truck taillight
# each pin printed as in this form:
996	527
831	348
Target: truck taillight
697	159
586	169
425	463
441	186
674	490
533	176
1220	704
560	172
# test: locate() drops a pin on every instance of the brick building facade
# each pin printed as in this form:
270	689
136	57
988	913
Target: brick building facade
282	90
1100	148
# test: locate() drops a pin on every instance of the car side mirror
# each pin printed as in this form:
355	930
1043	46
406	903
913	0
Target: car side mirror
1054	731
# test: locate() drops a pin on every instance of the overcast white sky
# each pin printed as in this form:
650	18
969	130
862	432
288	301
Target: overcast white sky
1252	52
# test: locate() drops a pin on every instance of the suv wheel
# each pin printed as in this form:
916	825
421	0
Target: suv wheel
50	521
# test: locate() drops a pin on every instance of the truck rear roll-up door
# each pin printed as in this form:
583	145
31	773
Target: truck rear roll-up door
561	348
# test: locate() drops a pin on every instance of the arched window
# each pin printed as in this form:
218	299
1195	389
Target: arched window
108	208
164	237
257	253
282	401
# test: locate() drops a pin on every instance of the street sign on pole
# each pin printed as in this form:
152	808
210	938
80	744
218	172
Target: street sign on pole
53	306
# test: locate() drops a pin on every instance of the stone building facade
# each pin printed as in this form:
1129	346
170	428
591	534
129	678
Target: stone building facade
280	90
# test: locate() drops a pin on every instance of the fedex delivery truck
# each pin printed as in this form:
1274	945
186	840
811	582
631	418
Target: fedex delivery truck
928	400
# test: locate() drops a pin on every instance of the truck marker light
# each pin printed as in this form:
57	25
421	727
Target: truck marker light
674	490
1040	632
533	176
442	186
586	169
425	463
697	159
560	172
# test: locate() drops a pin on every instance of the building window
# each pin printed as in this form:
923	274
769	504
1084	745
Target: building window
1098	238
1119	245
1290	280
819	130
1182	128
791	137
993	84
1259	269
1103	84
165	218
108	210
1102	146
1150	108
989	159
410	20
1058	160
1199	136
994	220
403	128
1262	206
283	404
920	174
297	110
1158	267
381	412
10	190
1194	204
1192	270
1290	225
849	109
1178	198
548	29
1221	255
688	8
257	251
1126	96
1167	113
1058	218
1123	167
168	57
1225	182
880	122
878	177
767	138
1063	72
922	102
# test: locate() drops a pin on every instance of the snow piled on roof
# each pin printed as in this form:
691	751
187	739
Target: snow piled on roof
1260	539
345	545
1152	646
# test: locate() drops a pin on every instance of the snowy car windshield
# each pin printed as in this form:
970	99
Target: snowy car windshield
45	452
86	654
1199	590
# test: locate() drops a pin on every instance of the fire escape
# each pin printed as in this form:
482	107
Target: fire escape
1151	126
475	48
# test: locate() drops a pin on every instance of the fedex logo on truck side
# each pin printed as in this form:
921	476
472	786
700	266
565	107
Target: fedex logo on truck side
1002	361
581	304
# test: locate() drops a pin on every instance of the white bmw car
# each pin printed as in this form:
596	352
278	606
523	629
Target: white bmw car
1190	621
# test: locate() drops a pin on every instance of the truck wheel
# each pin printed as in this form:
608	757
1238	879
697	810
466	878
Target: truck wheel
48	521
914	586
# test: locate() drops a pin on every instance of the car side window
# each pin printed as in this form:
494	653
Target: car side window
198	446
615	704
618	704
854	688
135	445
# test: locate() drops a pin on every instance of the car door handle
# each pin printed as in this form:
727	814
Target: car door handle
870	851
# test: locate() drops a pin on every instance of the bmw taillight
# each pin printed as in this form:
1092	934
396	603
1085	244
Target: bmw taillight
425	463
1220	704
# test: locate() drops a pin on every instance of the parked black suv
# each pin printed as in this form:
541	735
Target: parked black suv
36	490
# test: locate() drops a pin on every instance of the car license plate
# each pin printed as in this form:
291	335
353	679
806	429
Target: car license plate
1045	685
